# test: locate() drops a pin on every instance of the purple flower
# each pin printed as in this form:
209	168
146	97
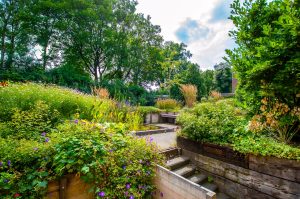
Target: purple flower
151	139
76	121
5	180
1	164
127	186
47	140
161	194
9	163
101	194
148	172
141	161
131	197
43	134
35	148
126	193
124	167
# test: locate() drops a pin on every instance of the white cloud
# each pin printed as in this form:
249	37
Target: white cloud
172	15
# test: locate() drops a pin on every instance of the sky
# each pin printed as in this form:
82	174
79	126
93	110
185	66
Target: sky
201	24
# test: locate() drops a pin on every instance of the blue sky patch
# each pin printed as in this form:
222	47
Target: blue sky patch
191	31
221	11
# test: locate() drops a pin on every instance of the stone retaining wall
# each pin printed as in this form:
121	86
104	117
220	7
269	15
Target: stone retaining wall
259	177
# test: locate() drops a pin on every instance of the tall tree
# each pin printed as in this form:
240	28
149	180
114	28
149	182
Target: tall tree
267	58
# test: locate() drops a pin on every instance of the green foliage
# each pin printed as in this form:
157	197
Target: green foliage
211	122
266	61
144	110
31	123
221	122
265	146
25	96
107	110
223	78
104	156
167	104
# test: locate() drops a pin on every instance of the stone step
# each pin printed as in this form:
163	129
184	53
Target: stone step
178	162
210	186
198	178
222	196
186	171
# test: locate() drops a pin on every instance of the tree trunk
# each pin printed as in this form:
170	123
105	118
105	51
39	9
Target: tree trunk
3	49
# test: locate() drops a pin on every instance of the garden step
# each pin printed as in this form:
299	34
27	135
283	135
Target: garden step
186	171
178	162
222	196
210	186
198	178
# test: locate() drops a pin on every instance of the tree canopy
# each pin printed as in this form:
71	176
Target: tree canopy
267	59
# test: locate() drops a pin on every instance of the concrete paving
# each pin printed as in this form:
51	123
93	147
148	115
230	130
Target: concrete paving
165	140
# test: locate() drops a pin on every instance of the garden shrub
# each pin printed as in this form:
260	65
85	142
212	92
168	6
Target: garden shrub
222	123
31	123
107	110
211	122
107	158
277	119
167	104
24	96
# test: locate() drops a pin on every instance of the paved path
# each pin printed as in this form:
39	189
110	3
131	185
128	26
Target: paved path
165	140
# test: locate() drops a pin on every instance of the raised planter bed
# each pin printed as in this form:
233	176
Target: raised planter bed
223	153
156	131
69	187
245	176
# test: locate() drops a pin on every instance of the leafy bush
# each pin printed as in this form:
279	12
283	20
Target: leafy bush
222	123
167	104
264	61
31	123
24	96
211	122
111	111
277	119
190	94
104	156
250	143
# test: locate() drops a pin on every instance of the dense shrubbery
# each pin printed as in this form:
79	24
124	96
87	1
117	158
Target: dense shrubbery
82	147
43	139
24	97
221	122
211	122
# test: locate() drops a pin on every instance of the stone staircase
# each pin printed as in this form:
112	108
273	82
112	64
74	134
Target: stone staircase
182	166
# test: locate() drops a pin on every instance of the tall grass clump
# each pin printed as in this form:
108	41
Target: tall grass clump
189	93
24	96
167	104
215	95
102	93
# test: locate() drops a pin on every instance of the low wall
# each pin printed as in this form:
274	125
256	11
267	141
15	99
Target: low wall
258	177
172	186
152	118
156	131
70	187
